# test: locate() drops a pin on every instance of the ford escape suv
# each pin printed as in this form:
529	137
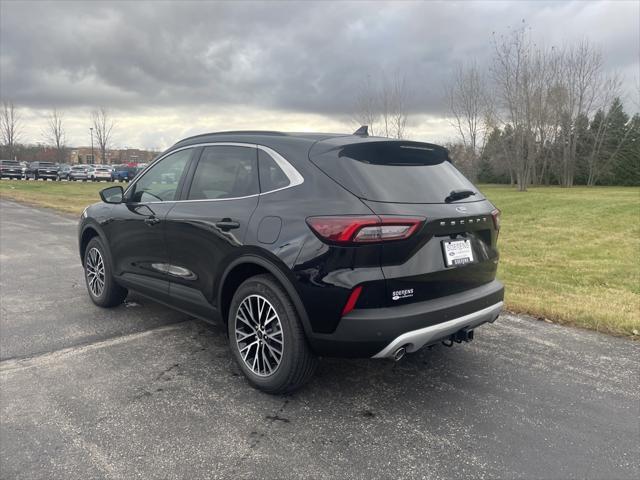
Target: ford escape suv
303	245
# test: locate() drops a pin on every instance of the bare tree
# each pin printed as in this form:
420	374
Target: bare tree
512	71
398	107
9	127
386	104
55	133
367	110
584	82
102	129
595	162
393	101
469	105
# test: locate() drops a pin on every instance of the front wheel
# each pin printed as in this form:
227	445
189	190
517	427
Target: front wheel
266	337
103	289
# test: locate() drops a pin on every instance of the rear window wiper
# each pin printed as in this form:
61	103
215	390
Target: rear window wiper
459	195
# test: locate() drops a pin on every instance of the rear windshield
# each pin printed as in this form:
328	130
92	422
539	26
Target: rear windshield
9	163
46	164
397	171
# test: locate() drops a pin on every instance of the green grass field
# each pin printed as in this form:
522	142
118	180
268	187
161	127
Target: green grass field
568	255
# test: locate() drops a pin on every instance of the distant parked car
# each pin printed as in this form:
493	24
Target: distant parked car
123	173
43	170
63	171
79	172
10	169
100	172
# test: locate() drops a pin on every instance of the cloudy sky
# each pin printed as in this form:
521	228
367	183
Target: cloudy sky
171	69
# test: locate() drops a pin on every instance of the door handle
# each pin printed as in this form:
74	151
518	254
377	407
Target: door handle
227	224
151	221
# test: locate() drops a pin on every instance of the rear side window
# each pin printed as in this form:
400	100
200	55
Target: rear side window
225	172
399	172
271	175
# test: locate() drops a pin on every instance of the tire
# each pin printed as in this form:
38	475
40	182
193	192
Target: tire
111	294
297	362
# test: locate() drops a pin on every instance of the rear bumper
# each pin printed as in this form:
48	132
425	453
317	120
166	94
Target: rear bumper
416	339
378	332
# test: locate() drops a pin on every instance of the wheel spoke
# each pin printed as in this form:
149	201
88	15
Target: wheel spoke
266	362
272	337
275	352
271	318
241	336
241	317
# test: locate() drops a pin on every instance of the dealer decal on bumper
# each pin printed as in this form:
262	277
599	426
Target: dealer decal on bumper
398	294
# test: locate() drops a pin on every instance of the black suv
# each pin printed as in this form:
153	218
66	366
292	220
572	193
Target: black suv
10	169
303	245
44	170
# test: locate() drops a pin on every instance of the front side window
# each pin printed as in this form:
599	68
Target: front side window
160	183
225	172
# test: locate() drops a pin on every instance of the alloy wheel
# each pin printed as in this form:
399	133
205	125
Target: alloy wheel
259	336
94	268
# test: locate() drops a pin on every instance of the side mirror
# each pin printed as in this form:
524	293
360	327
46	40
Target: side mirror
112	194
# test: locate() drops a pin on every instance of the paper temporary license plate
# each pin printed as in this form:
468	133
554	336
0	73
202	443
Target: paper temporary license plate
457	252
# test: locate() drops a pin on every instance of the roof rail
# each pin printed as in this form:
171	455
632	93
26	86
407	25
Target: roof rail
236	132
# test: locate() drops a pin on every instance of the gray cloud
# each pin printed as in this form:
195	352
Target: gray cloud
299	57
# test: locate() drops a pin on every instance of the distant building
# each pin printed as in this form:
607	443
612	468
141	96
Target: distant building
83	155
131	155
115	156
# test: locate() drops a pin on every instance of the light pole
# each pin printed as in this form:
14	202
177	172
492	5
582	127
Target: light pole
93	159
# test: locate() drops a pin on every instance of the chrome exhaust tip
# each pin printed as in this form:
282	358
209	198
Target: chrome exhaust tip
399	353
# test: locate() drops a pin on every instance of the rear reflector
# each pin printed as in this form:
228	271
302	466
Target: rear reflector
496	218
364	229
353	299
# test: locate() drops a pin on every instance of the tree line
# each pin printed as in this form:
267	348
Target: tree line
532	116
53	134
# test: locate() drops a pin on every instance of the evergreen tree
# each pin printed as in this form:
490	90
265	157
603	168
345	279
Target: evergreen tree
626	167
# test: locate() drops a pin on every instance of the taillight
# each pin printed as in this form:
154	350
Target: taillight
364	229
496	218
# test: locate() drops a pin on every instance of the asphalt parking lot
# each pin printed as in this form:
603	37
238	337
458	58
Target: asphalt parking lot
144	392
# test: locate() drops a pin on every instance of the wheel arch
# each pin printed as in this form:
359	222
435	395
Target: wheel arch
248	266
90	231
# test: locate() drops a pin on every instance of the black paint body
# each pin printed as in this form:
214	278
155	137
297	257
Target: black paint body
273	236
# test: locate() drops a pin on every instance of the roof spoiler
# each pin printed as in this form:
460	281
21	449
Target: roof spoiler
363	131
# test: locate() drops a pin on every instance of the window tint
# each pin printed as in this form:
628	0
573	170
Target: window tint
225	172
271	175
160	183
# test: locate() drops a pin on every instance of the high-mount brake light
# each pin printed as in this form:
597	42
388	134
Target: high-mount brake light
364	229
